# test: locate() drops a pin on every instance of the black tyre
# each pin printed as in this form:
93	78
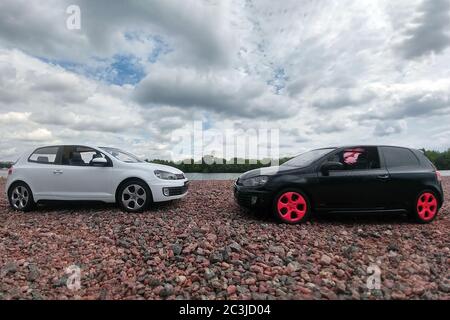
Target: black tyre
134	196
291	206
20	197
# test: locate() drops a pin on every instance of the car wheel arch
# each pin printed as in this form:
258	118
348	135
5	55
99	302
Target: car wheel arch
119	186
14	183
435	191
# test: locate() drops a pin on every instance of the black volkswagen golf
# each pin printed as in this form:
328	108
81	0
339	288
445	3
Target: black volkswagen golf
350	179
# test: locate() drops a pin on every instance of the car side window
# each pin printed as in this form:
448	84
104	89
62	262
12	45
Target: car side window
399	157
46	155
80	156
359	158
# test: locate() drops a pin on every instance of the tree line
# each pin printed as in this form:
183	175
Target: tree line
5	164
440	159
234	165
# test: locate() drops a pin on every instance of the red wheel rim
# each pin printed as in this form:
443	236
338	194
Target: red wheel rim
426	206
291	206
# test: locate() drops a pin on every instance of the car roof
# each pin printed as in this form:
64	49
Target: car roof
66	145
366	145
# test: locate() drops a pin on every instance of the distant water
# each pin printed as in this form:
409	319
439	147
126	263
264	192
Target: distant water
217	176
212	176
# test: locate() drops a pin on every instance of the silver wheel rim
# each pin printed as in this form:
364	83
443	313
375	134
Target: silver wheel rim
19	197
134	197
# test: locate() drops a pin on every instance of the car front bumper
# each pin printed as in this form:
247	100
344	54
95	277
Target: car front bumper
252	198
175	189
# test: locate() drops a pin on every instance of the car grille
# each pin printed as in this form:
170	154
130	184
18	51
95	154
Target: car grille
176	191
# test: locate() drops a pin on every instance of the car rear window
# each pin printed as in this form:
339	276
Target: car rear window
399	157
44	155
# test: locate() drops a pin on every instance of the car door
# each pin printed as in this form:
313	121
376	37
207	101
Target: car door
41	170
359	185
404	168
79	179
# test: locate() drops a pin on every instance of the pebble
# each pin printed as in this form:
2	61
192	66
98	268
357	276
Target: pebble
325	259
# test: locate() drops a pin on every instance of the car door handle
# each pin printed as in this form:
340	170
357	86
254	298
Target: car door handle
383	177
57	171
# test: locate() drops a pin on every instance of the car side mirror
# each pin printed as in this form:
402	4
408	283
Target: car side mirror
99	162
330	166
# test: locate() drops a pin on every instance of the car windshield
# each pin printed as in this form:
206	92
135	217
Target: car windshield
307	158
122	155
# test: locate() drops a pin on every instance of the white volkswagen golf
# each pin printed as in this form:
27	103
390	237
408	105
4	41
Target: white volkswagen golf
77	172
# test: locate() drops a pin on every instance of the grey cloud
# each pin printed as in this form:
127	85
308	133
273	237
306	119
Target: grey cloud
429	31
39	28
299	136
212	92
330	125
386	128
343	98
418	105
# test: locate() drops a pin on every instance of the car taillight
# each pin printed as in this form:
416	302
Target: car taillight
10	171
438	176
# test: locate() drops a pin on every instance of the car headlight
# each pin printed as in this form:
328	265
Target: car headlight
165	175
255	181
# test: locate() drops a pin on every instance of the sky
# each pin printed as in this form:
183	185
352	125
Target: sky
139	73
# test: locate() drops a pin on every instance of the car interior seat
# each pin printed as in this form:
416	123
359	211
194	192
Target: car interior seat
75	159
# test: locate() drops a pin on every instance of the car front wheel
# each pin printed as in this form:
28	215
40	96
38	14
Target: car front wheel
291	206
134	196
20	197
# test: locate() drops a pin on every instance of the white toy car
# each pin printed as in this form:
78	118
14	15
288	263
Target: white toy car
78	172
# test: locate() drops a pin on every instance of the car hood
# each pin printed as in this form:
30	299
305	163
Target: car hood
266	171
154	166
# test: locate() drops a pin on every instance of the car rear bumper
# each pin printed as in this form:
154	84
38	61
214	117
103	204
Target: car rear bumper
252	198
441	195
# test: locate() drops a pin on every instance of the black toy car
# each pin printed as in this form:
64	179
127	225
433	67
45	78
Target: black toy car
351	179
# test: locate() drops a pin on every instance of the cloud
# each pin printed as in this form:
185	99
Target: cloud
41	134
390	128
40	28
324	73
333	98
428	31
232	94
403	101
14	117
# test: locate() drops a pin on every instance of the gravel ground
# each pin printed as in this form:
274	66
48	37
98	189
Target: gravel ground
206	247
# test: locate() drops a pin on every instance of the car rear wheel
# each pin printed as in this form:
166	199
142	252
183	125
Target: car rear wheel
20	197
291	206
134	196
426	207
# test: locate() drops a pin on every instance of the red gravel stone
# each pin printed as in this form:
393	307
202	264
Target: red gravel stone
206	247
